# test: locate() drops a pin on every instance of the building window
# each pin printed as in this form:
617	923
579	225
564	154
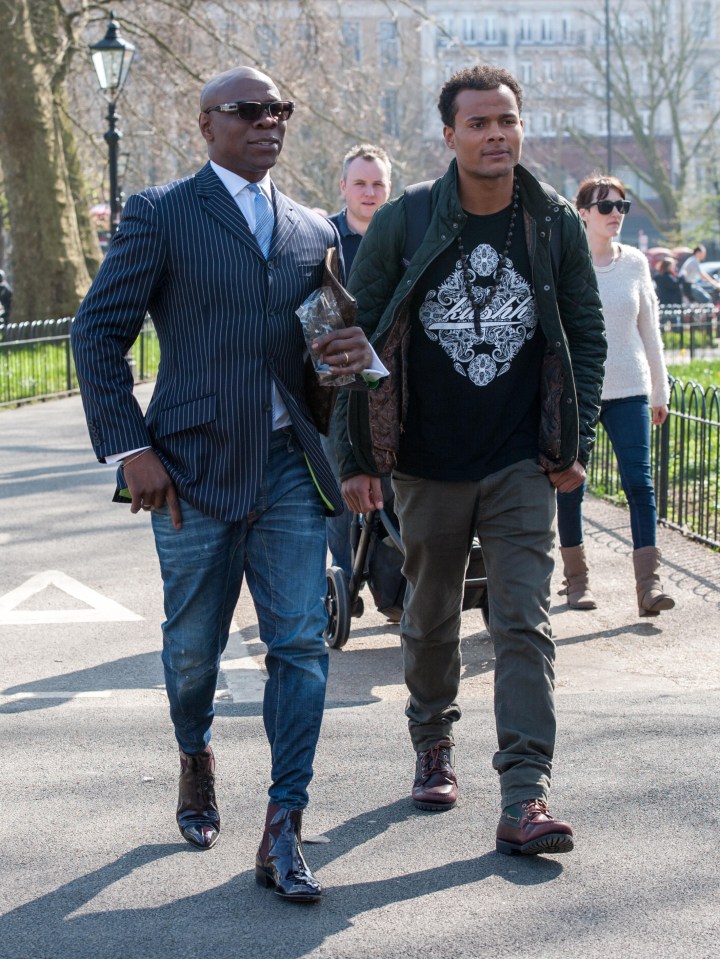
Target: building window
701	21
469	30
445	32
267	41
526	72
389	41
489	30
389	105
351	41
701	85
306	37
547	124
524	30
546	29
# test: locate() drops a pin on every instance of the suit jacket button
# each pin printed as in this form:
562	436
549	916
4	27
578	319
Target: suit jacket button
267	408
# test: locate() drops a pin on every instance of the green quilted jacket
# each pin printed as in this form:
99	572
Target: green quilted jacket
368	425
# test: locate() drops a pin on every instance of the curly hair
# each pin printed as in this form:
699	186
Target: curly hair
479	77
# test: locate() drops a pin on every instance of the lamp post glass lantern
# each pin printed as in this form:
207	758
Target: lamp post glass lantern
111	58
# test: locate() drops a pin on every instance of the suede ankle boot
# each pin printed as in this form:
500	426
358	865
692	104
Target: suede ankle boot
576	582
650	594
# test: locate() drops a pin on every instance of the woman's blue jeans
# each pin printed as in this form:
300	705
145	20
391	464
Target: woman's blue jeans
627	423
280	548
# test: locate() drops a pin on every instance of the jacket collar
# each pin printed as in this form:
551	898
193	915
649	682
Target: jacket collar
218	203
532	196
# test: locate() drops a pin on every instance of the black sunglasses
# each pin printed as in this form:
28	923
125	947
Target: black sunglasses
251	110
607	206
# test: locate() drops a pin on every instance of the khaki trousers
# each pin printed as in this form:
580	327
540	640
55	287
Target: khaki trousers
512	512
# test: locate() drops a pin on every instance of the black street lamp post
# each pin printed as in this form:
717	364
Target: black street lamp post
111	58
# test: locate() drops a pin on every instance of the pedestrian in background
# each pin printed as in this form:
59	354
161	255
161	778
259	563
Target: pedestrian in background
667	284
635	391
364	185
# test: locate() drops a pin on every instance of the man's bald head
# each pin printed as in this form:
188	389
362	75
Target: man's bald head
215	90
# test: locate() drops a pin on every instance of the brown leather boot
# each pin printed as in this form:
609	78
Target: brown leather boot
651	597
529	828
576	582
197	812
280	863
436	786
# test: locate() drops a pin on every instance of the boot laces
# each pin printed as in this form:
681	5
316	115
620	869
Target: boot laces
436	759
536	807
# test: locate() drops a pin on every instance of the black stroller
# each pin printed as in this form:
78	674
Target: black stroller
377	556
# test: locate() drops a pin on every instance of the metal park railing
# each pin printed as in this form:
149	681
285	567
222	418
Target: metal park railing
685	456
36	361
36	364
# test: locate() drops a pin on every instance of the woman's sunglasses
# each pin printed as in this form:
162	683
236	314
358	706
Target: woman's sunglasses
251	110
607	206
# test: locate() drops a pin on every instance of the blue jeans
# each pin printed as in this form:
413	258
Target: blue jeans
627	423
280	547
338	527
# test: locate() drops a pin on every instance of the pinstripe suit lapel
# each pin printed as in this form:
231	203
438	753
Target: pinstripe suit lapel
286	221
217	203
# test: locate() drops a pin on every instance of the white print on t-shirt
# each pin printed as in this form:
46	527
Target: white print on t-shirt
506	323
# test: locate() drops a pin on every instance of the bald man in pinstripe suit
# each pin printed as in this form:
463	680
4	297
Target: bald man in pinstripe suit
226	459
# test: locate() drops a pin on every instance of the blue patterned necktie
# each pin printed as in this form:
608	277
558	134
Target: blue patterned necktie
264	219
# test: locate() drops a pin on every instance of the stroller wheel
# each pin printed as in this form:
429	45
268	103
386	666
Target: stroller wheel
337	603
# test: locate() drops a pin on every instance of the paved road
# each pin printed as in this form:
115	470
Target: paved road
93	867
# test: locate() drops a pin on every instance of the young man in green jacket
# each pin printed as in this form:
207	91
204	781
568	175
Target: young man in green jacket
494	338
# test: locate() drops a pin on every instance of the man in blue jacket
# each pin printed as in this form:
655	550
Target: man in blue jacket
494	339
227	458
365	186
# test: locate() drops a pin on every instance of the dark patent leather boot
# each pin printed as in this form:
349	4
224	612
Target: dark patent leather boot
280	863
197	811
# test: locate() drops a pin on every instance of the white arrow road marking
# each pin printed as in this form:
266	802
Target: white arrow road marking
101	608
244	676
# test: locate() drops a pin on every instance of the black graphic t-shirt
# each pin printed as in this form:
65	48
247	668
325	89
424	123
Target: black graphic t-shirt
473	397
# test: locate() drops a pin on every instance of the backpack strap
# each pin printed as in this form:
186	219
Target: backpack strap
418	212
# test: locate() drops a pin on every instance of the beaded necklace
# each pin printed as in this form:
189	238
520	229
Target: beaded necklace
484	297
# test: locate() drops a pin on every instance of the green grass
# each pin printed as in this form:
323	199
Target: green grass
39	369
692	492
703	372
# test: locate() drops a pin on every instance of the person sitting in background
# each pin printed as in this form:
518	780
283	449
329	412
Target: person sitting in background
692	274
667	285
636	382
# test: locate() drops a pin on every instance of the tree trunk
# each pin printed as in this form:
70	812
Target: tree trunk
49	268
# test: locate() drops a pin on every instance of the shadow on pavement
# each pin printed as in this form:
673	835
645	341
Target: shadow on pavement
239	918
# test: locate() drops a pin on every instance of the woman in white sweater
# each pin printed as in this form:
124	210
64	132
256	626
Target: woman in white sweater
635	391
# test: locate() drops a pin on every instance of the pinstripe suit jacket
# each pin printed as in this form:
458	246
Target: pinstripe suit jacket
225	319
